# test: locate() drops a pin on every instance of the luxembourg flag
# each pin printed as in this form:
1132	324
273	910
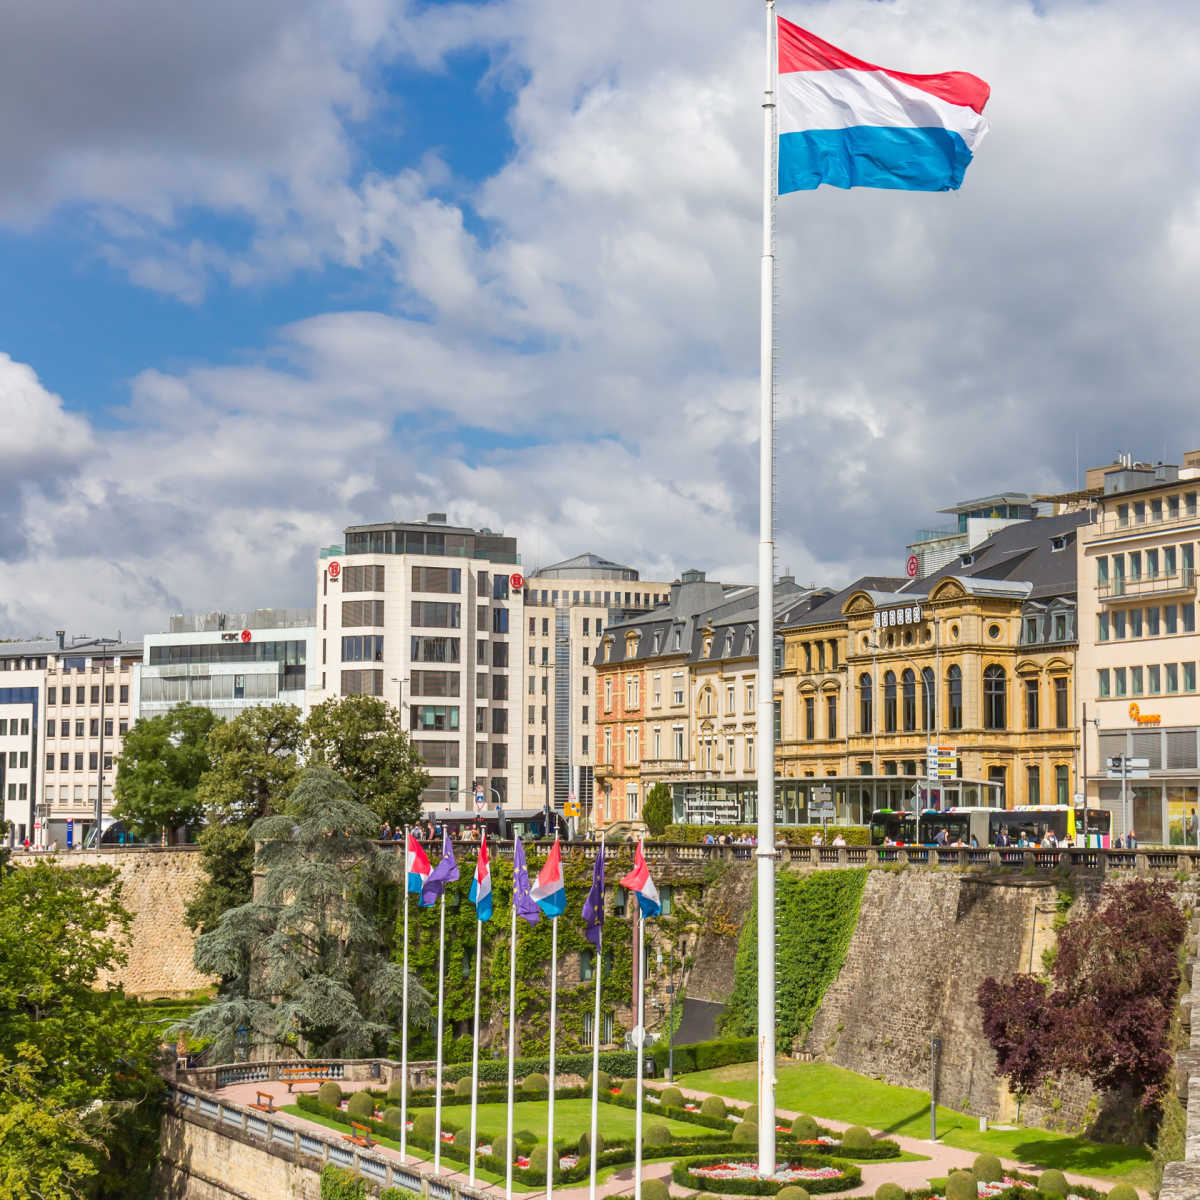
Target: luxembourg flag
418	865
638	880
550	891
481	884
849	123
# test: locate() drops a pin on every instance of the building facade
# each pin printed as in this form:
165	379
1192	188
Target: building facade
1139	648
431	617
22	705
567	608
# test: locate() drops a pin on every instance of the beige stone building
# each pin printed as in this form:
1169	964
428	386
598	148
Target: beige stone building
1139	648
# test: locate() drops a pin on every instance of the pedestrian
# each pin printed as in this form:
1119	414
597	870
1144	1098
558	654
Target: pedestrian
1131	841
839	840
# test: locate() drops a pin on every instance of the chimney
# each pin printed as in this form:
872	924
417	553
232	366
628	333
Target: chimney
61	634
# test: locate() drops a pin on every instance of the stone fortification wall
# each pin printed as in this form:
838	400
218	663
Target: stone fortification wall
924	942
156	886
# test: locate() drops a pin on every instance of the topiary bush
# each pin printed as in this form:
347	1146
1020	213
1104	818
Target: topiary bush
712	1106
961	1186
857	1138
750	1114
463	1086
536	1083
424	1125
657	1134
986	1168
805	1128
1053	1183
605	1079
655	1189
525	1138
392	1115
538	1157
1123	1191
585	1141
745	1134
360	1105
395	1089
794	1191
889	1191
329	1093
629	1089
671	1097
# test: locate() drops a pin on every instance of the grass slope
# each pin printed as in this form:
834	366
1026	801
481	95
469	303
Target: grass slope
572	1119
824	1090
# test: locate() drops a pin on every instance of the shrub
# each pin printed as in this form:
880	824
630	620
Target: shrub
629	1089
536	1083
495	1070
794	1191
525	1138
339	1184
395	1089
986	1168
712	1106
392	1115
585	1142
750	1114
1053	1183
360	1104
857	1138
424	1125
805	1128
657	1134
671	1097
605	1079
890	1191
961	1186
1123	1191
745	1134
329	1093
463	1086
655	1189
538	1157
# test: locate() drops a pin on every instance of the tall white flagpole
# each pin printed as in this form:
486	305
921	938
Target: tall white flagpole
552	1157
404	1016
766	628
512	1042
437	1098
641	1042
596	1053
475	1055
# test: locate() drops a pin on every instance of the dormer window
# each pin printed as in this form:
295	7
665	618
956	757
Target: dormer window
729	643
967	560
658	641
678	643
1058	543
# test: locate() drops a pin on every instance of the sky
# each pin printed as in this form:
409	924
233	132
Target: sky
270	269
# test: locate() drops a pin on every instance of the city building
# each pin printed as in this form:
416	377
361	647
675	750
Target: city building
975	521
22	703
91	690
568	605
1139	646
229	661
431	616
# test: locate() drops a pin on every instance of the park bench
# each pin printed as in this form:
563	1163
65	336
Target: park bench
266	1102
360	1135
293	1075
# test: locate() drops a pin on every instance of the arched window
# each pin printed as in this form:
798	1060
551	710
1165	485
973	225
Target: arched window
954	713
889	703
865	716
928	699
995	688
909	682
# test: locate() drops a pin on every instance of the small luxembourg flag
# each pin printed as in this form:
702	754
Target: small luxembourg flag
418	865
550	891
849	123
481	884
638	880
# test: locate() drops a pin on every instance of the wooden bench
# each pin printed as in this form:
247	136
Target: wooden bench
266	1102
293	1075
361	1135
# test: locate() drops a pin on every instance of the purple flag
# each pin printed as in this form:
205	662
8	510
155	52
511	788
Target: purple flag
445	872
526	905
593	906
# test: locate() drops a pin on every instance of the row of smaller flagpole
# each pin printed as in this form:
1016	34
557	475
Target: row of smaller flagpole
546	897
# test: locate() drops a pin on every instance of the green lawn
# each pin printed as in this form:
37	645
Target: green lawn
572	1118
824	1090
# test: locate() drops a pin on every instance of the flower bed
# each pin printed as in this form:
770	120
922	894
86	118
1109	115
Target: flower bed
735	1175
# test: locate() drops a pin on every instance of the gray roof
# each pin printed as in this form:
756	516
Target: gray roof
586	566
829	608
1006	498
26	649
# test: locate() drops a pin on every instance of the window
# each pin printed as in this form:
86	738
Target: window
586	653
1171	617
1135	622
632	688
631	803
1119	681
93	760
656	742
954	697
49	728
810	718
1135	681
1168	560
123	728
49	762
499	587
908	682
1139	512
1189	668
435	649
607	695
362	683
499	619
631	744
831	716
730	698
657	690
64	762
95	694
608	746
731	755
1102	572
79	761
52	695
124	693
1173	508
79	694
864	703
677	742
1031	704
664	896
1135	565
995	688
1118	625
1031	629
778	720
1152	622
1033	785
587	970
1156	510
889	703
1151	564
677	688
928	699
1062	784
94	727
1189	617
1154	680
749	697
1062	707
586	689
357	614
79	729
1172	677
363	649
749	752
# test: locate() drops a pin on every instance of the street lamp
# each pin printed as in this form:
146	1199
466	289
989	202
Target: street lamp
1084	781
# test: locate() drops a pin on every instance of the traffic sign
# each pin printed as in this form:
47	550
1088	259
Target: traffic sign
912	566
1140	773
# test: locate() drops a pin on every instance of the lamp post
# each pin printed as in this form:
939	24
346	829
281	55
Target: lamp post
1084	781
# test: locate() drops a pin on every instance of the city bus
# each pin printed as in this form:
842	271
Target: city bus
984	825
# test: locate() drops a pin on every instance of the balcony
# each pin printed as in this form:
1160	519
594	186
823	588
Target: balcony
1112	524
1179	583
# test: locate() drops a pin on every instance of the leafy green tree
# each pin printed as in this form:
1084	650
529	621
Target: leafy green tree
363	739
79	1095
659	809
252	767
307	963
159	770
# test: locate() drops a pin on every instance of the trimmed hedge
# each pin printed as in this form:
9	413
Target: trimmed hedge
360	1104
655	1189
495	1070
536	1083
683	1175
712	1106
705	1056
987	1169
330	1093
794	1191
857	1138
960	1185
1053	1183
